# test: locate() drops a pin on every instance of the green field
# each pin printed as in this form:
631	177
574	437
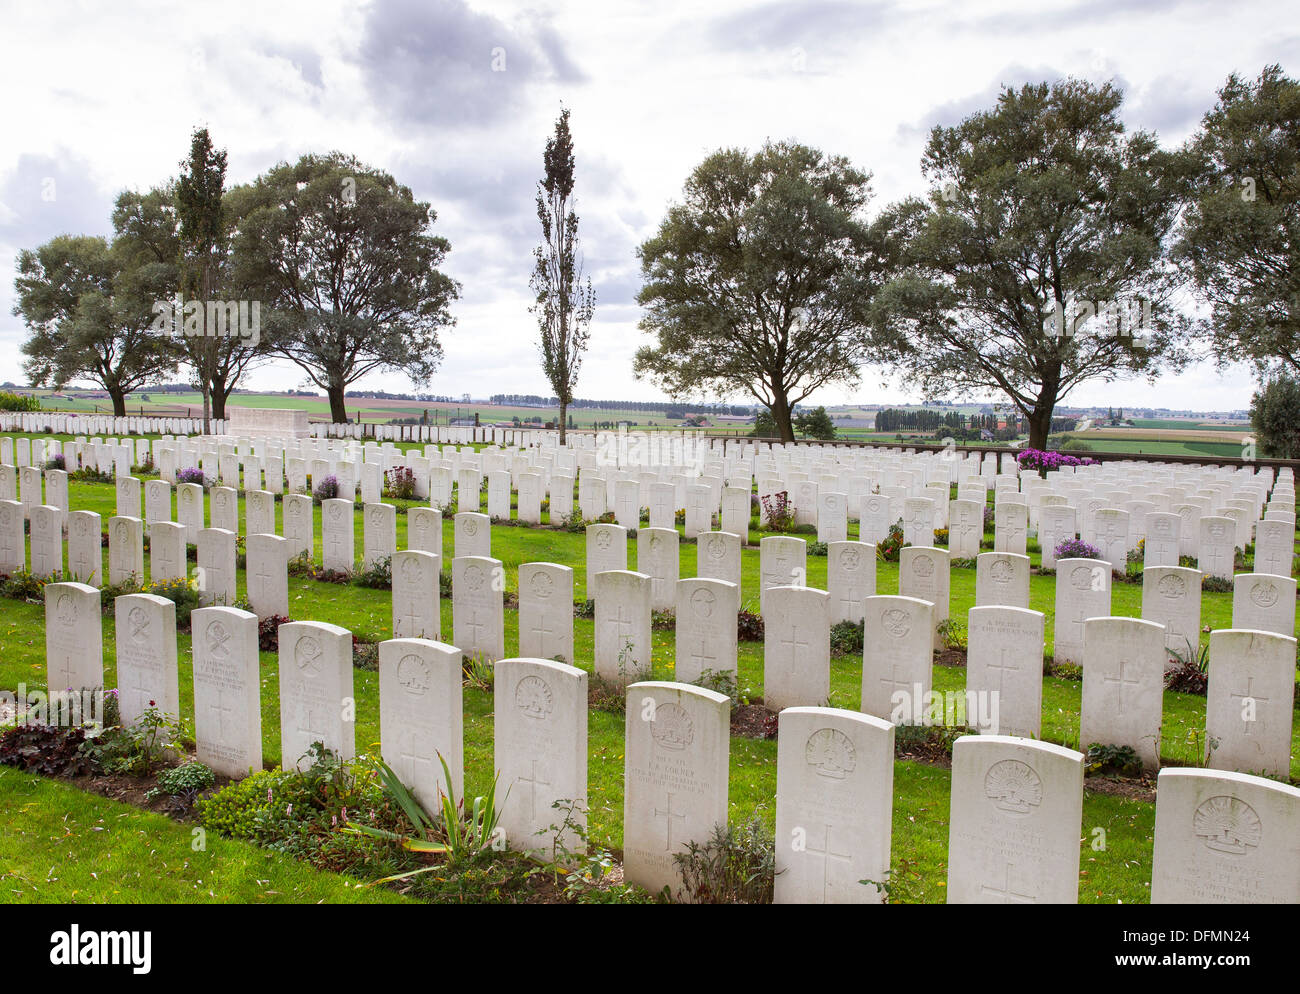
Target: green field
1185	425
1120	873
1158	447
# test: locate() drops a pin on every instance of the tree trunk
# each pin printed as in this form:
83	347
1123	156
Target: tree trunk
564	421
338	410
1040	418
207	408
781	416
220	394
1040	425
119	401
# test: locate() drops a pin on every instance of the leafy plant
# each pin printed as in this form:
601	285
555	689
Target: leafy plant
378	575
47	750
847	638
778	511
889	547
749	626
399	483
136	749
719	681
181	591
952	633
1188	672
737	865
268	632
1121	759
1073	548
479	672
451	835
187	780
23	585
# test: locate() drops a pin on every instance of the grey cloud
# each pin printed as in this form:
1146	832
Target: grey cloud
305	60
48	195
433	63
1083	14
1169	106
954	111
827	23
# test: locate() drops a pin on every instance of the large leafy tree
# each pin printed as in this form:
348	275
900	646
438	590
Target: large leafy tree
343	255
563	305
199	194
1240	239
1042	211
761	279
149	227
1275	417
89	308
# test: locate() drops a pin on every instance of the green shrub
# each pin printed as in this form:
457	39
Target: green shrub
183	592
24	585
736	866
10	401
378	575
184	781
847	638
1112	759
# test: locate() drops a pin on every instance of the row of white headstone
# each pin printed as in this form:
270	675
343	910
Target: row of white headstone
874	490
1016	804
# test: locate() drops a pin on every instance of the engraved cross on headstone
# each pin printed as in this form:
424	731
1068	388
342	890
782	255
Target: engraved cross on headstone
827	854
1253	698
668	815
1121	683
1006	892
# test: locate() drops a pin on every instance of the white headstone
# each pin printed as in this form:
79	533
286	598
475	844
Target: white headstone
540	753
316	699
675	776
227	690
1016	819
834	806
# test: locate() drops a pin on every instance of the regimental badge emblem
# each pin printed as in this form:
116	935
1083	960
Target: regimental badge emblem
896	622
413	674
1013	787
1172	586
534	699
306	655
672	727
1227	825
1264	593
831	754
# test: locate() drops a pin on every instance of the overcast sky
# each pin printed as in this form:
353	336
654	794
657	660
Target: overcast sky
102	97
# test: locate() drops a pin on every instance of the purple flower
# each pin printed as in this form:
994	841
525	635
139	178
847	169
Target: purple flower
1073	548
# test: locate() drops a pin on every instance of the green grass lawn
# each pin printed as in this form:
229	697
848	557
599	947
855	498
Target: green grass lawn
63	845
1120	872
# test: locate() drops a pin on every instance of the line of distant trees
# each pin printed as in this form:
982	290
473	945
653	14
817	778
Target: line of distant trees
670	409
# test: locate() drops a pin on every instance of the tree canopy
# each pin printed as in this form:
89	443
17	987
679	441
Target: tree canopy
563	305
1039	260
344	257
89	308
1240	237
761	279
